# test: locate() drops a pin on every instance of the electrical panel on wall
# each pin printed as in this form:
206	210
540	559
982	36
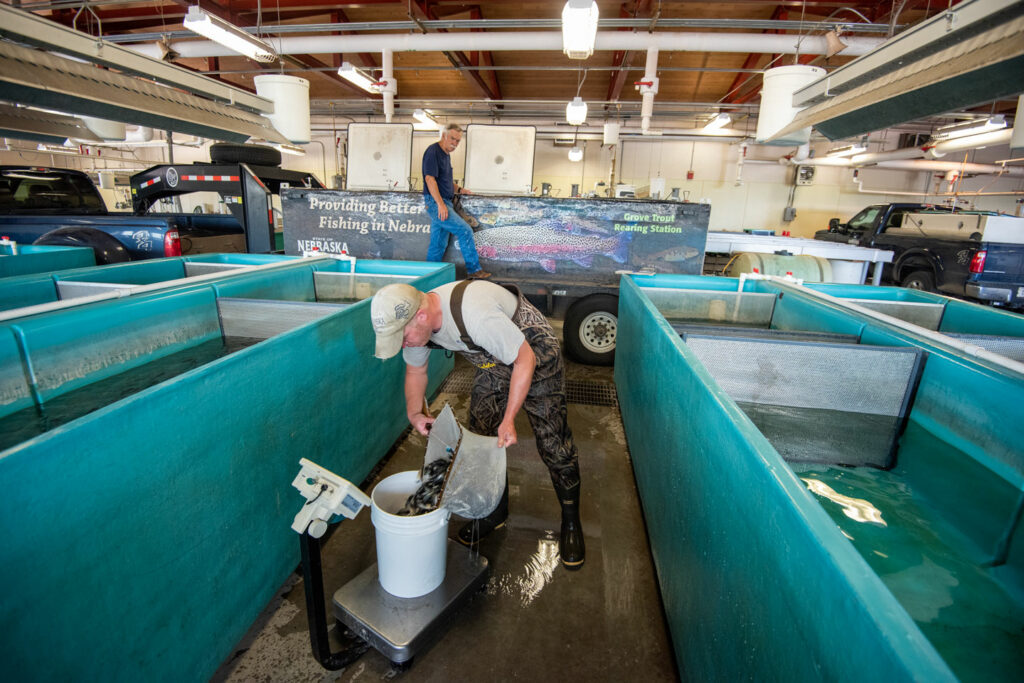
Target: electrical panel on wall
499	159
804	175
379	156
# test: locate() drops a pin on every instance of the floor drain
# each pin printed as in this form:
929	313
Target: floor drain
584	392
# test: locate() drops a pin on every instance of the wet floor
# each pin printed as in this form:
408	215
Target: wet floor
534	620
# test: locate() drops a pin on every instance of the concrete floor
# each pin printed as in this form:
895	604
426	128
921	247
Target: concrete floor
534	620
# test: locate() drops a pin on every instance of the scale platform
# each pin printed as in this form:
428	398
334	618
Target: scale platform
399	627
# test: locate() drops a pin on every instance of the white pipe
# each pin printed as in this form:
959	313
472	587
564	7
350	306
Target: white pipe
470	41
391	85
860	188
649	91
997	137
739	163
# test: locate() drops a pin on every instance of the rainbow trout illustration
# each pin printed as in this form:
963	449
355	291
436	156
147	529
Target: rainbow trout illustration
546	246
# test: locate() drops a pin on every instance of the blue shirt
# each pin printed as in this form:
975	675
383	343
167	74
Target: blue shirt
437	163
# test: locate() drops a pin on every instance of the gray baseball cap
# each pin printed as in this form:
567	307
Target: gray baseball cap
391	309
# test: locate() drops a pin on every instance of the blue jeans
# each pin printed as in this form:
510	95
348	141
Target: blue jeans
440	232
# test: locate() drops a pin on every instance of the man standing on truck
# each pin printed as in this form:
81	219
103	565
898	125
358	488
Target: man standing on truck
439	190
519	364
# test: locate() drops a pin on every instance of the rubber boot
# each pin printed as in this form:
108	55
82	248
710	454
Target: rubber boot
474	531
570	543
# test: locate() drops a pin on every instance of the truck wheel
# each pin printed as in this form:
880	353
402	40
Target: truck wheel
257	155
919	279
590	329
106	248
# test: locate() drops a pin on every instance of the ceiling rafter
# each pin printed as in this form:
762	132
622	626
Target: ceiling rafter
420	10
623	59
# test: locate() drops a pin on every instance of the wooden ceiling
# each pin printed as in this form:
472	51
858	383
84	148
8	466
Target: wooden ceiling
504	83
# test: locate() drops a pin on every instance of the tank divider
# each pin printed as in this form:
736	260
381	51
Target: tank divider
26	359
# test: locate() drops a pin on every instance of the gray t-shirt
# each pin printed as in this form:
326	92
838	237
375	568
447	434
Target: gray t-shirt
487	311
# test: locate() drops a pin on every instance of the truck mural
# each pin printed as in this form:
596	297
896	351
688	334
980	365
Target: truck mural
568	252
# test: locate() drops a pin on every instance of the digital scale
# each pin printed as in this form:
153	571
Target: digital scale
396	627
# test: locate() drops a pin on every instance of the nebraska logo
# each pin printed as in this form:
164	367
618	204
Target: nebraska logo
402	311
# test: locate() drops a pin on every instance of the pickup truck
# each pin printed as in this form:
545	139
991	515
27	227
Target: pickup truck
58	206
973	254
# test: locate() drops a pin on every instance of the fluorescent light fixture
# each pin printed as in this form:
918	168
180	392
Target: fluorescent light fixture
290	149
719	121
579	28
576	154
960	130
228	35
423	117
847	151
51	149
576	112
356	77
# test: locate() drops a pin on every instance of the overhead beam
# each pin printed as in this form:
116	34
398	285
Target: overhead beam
28	28
45	80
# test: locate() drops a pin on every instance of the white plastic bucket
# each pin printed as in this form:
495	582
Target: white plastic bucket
411	551
290	95
777	110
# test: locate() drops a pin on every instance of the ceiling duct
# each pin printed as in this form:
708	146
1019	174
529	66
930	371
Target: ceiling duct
978	63
22	123
45	80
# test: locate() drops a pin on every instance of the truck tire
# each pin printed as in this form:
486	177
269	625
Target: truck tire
257	155
919	279
590	330
106	248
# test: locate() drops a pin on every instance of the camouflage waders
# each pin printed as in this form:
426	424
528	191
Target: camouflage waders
545	402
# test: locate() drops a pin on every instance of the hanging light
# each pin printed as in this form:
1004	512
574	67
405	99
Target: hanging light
424	121
291	149
960	130
847	151
228	35
576	153
719	121
833	45
579	28
576	112
356	77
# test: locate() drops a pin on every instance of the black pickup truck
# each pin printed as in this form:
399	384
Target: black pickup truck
942	249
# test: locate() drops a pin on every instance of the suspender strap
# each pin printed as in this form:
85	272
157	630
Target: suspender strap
456	306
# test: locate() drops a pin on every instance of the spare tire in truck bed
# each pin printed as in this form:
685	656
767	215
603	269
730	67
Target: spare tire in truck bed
257	155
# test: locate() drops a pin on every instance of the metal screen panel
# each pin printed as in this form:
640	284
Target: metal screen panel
687	329
740	308
71	290
193	268
1011	347
262	319
917	313
349	288
831	403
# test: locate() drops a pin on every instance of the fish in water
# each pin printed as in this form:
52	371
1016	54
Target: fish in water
428	496
674	254
546	246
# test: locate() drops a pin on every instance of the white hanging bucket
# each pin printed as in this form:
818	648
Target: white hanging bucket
777	110
411	551
290	95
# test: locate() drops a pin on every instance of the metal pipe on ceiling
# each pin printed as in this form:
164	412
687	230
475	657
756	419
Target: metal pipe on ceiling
524	41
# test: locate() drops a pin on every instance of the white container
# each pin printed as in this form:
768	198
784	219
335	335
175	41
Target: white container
777	110
411	551
110	131
290	95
